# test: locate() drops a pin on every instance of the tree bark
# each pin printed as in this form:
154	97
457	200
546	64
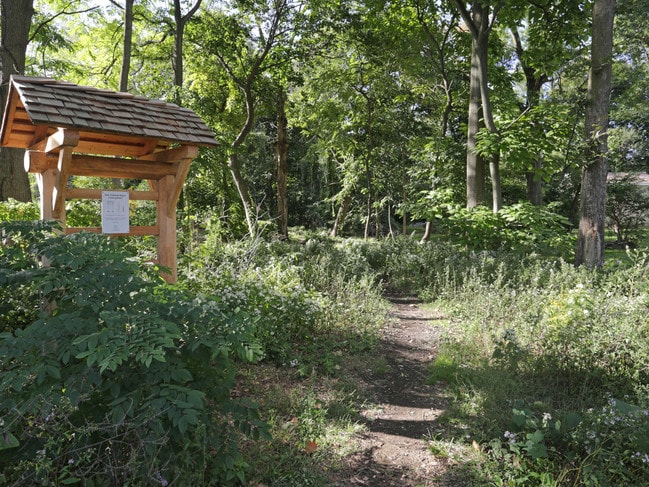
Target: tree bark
534	81
480	20
281	155
590	241
128	41
180	20
475	166
15	21
340	216
126	60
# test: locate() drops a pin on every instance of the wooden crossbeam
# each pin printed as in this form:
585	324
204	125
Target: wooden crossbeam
135	231
108	167
96	194
172	155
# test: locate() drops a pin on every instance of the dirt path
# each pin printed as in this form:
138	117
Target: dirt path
394	452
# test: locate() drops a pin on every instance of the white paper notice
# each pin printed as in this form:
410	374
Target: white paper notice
114	212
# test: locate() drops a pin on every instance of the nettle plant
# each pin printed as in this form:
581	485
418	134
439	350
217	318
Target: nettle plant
119	379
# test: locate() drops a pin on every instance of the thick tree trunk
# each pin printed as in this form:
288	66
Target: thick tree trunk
480	21
475	166
281	155
481	45
15	21
590	241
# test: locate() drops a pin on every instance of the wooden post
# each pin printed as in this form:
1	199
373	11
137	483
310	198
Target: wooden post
166	215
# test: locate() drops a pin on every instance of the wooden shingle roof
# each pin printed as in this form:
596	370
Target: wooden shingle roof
38	107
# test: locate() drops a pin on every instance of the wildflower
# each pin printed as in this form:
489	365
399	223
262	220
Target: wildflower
511	437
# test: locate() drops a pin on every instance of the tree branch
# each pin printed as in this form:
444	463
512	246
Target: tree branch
63	12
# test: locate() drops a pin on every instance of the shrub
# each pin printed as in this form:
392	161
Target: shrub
120	379
306	300
626	208
15	210
521	227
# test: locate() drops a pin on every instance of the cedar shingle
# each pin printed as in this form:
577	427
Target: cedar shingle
56	103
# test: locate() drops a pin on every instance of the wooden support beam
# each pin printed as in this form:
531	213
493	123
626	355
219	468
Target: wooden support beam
95	194
108	167
40	134
136	231
46	181
61	184
61	138
166	218
172	155
179	180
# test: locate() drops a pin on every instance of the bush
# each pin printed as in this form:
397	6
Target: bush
626	208
521	227
307	300
15	210
120	379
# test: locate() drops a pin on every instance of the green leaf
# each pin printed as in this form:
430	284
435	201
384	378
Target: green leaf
537	450
8	440
71	480
53	371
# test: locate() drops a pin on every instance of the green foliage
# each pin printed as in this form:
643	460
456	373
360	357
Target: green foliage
551	344
120	378
536	135
603	446
303	301
521	227
15	210
626	208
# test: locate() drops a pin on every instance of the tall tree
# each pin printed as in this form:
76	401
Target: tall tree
128	41
590	241
15	22
281	157
243	45
479	18
548	36
180	21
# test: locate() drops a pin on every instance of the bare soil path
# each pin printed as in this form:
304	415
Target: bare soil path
405	409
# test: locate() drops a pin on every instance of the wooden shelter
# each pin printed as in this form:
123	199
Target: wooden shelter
71	130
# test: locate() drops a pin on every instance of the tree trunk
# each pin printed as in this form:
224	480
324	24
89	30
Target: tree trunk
475	167
281	155
180	20
480	21
244	193
233	160
534	81
126	60
128	40
340	216
590	241
15	21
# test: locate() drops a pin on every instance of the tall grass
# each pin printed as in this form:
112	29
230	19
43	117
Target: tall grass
548	364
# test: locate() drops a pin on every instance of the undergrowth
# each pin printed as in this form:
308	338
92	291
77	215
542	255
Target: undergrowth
111	376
